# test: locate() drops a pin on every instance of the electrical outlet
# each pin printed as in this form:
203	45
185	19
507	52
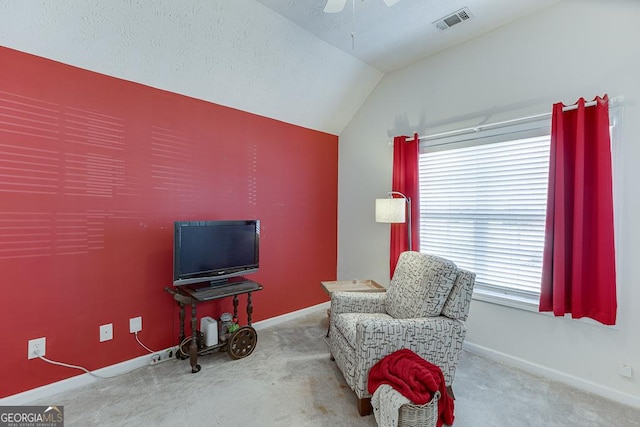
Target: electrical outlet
624	370
135	324
163	356
36	347
106	332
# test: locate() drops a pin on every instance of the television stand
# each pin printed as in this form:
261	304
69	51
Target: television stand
240	343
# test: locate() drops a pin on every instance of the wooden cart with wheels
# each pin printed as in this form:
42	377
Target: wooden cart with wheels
239	344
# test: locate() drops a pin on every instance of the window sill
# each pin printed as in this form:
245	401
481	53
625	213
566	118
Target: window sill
508	300
527	304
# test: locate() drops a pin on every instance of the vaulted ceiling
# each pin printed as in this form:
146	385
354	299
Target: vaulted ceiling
389	38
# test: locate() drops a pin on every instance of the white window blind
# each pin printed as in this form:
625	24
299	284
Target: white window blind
483	206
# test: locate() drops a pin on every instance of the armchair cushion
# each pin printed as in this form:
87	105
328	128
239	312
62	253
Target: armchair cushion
420	285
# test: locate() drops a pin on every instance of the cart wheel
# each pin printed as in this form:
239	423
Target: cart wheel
196	369
242	342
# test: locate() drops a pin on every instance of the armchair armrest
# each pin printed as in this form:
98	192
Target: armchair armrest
358	302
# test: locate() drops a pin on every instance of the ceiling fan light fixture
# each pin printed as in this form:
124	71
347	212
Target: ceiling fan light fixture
334	6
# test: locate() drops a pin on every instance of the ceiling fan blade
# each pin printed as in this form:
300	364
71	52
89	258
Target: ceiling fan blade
390	2
334	6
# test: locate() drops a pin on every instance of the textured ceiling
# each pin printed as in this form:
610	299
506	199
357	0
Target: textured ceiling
389	38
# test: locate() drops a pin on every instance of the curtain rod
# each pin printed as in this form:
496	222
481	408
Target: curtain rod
612	101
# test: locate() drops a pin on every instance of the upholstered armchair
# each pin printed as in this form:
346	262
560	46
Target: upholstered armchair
424	309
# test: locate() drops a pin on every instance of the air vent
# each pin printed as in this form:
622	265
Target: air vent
455	18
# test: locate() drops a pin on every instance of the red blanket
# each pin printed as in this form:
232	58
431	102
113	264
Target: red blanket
415	378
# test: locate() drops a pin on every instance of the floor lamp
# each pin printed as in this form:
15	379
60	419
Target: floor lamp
395	210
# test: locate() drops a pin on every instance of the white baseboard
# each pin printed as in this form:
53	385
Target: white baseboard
552	374
273	321
128	365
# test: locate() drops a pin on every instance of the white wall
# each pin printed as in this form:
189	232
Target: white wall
571	50
235	53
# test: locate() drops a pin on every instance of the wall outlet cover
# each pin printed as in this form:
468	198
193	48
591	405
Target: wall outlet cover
36	347
106	332
135	324
625	370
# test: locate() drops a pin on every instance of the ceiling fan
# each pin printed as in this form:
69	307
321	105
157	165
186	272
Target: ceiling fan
335	6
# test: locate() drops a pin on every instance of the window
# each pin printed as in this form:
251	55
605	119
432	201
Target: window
483	204
483	197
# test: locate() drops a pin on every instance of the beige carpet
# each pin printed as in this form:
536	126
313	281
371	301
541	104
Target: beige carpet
290	380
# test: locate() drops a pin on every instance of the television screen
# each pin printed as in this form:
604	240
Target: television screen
213	251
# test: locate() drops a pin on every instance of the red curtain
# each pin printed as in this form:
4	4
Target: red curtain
578	268
405	181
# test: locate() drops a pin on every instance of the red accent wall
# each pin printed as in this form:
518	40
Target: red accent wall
93	172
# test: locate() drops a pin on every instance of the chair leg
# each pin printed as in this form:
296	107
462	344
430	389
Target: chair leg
364	406
450	392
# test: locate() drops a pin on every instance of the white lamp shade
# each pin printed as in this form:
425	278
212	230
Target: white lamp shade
391	210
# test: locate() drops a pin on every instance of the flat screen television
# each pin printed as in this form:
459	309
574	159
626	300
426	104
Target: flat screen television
214	251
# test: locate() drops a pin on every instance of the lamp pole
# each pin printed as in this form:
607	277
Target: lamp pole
408	201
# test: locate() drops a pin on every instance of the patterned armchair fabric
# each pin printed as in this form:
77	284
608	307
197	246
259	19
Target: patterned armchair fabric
424	310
